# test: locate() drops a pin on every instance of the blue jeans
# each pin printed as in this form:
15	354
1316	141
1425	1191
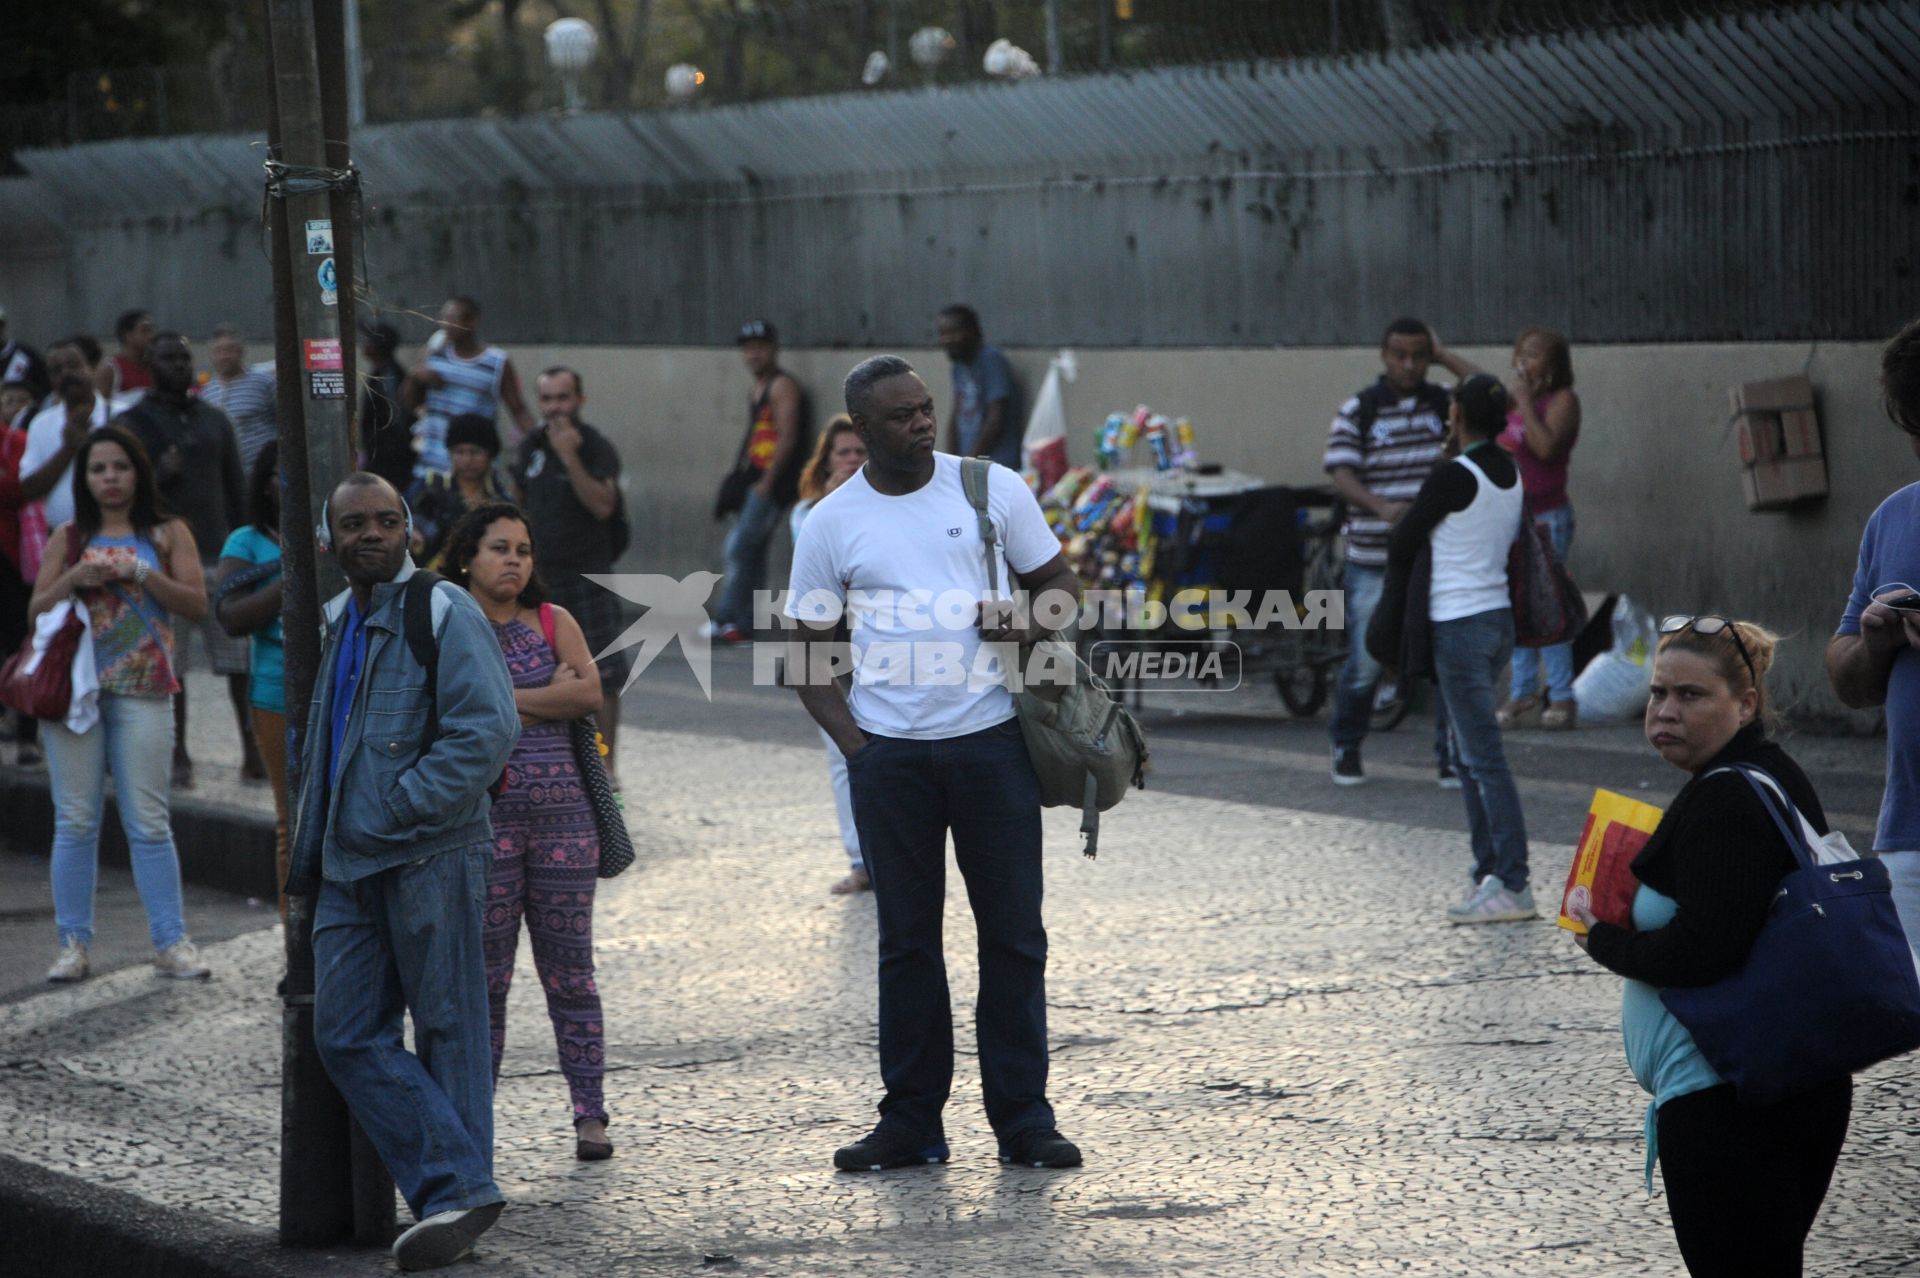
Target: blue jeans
746	560
843	802
408	940
1353	694
1559	658
133	740
1467	656
906	796
1903	868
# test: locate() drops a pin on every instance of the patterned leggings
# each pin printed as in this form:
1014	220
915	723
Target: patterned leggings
544	862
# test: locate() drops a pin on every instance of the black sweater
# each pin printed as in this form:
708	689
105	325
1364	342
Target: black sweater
1718	855
1447	490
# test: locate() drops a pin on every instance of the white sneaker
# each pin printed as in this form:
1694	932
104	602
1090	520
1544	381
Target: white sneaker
708	629
72	964
181	961
444	1237
1493	902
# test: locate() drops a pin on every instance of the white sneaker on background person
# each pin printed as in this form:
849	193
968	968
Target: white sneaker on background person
72	965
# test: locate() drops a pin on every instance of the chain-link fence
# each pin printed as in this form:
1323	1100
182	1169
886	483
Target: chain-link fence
653	53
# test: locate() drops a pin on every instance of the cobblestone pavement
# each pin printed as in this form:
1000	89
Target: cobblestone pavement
1277	1060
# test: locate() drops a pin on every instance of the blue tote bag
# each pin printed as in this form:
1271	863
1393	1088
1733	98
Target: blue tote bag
1830	986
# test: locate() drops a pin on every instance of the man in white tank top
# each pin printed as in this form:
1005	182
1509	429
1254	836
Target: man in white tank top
460	374
1469	511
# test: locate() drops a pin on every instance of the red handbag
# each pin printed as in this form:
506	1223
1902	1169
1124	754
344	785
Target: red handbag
47	692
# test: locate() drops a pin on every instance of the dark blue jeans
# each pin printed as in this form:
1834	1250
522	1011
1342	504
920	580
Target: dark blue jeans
1360	676
906	796
1467	656
408	939
746	553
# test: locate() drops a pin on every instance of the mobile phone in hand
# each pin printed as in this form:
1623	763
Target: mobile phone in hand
1907	601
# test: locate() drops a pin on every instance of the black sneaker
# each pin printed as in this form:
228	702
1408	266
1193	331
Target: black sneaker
1040	1147
1449	779
885	1150
1346	766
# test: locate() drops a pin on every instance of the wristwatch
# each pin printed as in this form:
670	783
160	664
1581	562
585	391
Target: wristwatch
141	571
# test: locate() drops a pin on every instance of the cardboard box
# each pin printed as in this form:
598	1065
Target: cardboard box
1782	458
1779	415
1784	481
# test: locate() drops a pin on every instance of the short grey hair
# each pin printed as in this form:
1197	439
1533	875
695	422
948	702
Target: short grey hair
865	374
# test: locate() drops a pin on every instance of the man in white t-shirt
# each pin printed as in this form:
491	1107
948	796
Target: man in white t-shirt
56	431
932	746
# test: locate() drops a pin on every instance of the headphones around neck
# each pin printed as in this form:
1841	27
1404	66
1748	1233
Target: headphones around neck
323	531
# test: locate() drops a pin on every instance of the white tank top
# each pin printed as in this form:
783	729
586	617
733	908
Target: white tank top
1470	550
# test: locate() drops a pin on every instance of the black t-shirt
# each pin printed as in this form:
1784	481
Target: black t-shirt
196	461
571	540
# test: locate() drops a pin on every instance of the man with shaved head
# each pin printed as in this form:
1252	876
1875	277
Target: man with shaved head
391	833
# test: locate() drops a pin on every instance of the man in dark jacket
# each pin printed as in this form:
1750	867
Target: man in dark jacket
391	831
196	462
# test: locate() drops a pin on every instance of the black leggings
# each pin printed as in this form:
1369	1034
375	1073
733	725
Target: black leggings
1744	1182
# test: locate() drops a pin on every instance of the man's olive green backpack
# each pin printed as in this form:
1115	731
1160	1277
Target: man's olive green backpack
1086	749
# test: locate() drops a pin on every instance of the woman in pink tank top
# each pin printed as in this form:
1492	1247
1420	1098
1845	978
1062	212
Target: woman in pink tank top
1541	431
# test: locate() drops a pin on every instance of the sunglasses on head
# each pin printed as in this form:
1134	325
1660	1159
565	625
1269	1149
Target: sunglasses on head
1711	624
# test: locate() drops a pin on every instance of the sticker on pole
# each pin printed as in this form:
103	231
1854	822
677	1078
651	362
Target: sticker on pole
326	370
329	284
322	354
320	237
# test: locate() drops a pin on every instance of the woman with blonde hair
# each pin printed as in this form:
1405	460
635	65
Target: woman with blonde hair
1744	1181
837	457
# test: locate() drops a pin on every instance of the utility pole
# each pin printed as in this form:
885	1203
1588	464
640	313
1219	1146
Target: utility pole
1056	56
331	1186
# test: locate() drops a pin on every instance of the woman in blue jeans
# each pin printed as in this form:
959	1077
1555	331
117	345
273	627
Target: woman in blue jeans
132	569
1543	425
1469	508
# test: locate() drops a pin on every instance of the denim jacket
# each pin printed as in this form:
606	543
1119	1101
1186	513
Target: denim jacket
394	803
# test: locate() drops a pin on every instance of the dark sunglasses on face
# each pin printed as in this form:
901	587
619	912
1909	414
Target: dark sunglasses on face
1711	624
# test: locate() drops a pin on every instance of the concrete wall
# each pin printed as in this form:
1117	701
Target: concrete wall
1655	483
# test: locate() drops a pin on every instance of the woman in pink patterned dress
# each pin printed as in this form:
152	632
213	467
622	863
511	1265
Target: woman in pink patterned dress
546	849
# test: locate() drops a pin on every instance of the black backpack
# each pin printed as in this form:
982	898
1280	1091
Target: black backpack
1372	397
417	624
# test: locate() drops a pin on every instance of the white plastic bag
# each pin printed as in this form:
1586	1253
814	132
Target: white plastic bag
1044	444
1614	685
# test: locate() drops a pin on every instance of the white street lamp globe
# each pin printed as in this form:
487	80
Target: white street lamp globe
684	80
930	46
571	44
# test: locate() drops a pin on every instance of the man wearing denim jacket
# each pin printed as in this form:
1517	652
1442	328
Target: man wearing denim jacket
391	831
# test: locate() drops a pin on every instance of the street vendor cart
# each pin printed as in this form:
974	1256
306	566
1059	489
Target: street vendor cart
1189	549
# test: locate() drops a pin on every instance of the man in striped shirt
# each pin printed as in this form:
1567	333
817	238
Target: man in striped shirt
461	374
1380	447
244	394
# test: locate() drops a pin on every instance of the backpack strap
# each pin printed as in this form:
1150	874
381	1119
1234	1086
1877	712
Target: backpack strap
973	478
1366	410
417	624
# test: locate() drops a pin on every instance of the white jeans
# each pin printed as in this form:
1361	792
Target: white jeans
1904	869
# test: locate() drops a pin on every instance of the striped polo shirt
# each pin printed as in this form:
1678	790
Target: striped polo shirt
470	386
1406	439
249	400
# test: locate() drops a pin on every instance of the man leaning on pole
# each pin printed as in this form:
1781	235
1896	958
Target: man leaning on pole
391	832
